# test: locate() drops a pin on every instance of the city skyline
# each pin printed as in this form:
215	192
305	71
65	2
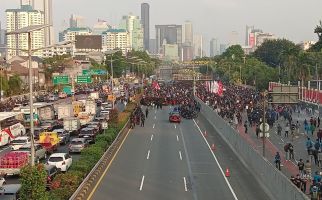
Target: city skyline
235	14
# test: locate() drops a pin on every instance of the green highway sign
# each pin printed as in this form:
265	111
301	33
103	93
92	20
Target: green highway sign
94	72
60	80
67	89
84	79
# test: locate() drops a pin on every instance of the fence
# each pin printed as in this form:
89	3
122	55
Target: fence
272	179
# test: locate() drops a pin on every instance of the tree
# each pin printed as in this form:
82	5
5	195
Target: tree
14	84
317	47
274	52
234	52
33	182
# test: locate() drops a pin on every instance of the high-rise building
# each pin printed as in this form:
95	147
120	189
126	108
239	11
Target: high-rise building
76	21
153	46
262	37
145	17
27	2
249	29
70	33
233	38
168	34
100	27
222	48
187	36
133	25
198	46
213	47
2	35
20	18
48	14
114	39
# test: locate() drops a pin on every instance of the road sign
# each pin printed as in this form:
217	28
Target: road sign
94	72
68	90
266	127
84	79
60	80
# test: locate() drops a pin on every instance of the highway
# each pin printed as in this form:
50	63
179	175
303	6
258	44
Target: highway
174	161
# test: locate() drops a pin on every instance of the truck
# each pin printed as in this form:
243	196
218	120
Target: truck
94	95
65	110
49	140
72	124
91	106
85	118
12	162
78	107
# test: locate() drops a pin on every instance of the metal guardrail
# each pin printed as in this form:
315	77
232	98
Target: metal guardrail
91	179
274	181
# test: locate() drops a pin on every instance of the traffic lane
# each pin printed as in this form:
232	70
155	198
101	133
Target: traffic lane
166	176
123	178
242	180
206	176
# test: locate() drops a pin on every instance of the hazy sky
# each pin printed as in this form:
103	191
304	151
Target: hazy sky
291	19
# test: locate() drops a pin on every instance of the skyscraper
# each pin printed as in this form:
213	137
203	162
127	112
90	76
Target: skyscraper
198	46
100	27
145	21
48	13
187	36
168	34
213	47
76	21
133	25
233	39
20	18
28	2
249	29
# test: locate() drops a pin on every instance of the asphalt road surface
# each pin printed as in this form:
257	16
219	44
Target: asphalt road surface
164	161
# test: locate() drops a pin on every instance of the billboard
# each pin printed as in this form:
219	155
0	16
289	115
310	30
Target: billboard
251	39
88	42
285	94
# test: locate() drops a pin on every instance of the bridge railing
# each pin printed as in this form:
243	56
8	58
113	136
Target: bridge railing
276	183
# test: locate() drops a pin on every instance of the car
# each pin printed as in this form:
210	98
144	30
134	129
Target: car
64	136
41	98
77	145
174	117
63	161
49	125
19	142
88	133
37	131
52	97
97	125
62	95
40	151
51	173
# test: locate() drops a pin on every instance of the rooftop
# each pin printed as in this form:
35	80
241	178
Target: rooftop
24	8
115	31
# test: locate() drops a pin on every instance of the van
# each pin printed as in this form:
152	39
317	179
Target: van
10	192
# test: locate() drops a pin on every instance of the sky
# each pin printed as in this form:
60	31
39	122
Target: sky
291	19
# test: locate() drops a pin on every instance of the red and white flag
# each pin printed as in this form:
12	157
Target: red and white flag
156	85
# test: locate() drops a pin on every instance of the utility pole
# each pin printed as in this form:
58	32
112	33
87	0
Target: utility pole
32	146
112	84
194	80
264	123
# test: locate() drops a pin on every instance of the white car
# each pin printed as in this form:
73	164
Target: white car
62	161
19	142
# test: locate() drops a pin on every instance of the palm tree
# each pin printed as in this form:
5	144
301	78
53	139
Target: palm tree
318	30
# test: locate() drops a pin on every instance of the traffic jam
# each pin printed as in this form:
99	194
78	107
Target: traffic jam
64	125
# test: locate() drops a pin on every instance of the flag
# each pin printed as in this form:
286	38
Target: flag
220	88
155	85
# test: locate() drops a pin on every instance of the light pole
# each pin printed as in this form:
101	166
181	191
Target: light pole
28	30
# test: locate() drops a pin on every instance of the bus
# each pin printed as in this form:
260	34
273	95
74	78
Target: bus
10	126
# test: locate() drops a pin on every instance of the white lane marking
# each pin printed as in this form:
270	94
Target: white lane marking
155	111
282	140
148	156
155	117
185	184
153	125
221	170
177	138
142	181
175	126
180	155
151	137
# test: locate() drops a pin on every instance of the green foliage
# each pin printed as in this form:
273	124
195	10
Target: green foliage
234	52
14	84
113	118
33	182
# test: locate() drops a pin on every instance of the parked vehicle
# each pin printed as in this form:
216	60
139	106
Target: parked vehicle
62	161
72	124
40	151
51	173
64	136
49	140
65	110
12	162
19	142
77	145
88	133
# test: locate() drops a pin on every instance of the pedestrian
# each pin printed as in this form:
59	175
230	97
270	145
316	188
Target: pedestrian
142	120
246	127
300	164
314	190
308	168
279	129
319	121
278	161
320	158
315	156
312	128
146	112
287	130
319	135
257	130
309	146
286	150
291	151
297	126
306	127
317	145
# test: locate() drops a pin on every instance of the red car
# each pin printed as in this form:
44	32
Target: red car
175	117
